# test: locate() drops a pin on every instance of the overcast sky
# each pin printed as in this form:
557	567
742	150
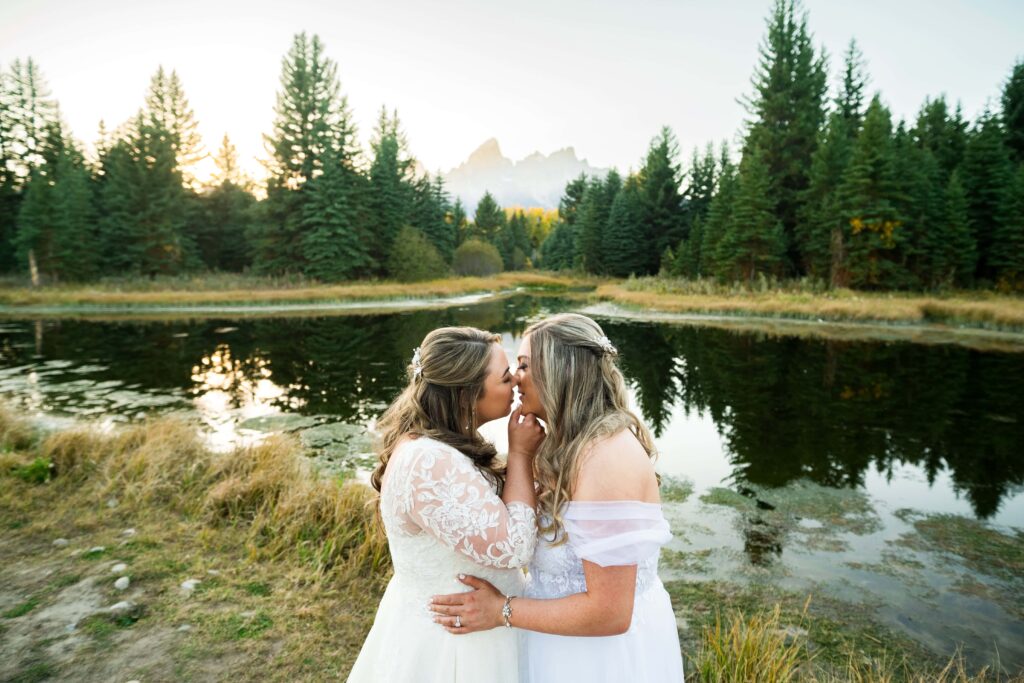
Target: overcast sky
537	75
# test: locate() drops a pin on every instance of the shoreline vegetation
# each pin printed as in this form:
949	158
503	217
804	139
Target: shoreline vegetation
140	553
969	310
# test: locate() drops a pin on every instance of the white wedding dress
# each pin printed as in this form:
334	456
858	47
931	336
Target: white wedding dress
443	518
607	533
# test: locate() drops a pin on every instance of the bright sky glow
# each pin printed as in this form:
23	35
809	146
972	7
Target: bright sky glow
597	75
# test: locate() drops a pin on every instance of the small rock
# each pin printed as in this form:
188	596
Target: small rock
111	503
184	627
190	585
60	543
124	608
128	532
213	572
122	583
247	615
76	552
119	568
134	680
95	550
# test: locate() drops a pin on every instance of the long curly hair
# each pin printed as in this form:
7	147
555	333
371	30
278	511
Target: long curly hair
438	402
584	396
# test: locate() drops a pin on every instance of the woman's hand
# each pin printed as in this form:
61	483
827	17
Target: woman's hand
477	610
524	438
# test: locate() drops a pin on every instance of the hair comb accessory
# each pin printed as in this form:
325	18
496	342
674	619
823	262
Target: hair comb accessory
606	345
417	365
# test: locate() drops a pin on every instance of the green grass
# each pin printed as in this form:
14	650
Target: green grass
22	609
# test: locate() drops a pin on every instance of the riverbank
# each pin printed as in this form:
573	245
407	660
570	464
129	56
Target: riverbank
243	295
251	565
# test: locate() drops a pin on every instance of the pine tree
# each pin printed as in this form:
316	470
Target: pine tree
558	250
1012	101
27	109
56	220
820	215
753	242
922	205
787	111
688	254
571	199
626	252
942	133
459	221
227	214
10	197
391	185
592	216
663	203
167	105
849	103
986	175
311	120
719	217
864	253
1007	258
700	187
959	255
334	246
143	202
488	220
430	209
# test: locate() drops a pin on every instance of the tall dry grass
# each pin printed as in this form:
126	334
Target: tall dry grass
745	648
810	300
236	289
270	492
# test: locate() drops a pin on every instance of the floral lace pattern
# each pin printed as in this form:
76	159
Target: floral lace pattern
557	571
432	488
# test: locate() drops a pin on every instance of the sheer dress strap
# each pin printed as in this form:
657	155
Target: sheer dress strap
617	532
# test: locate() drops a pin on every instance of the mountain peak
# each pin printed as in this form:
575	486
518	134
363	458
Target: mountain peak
536	180
487	153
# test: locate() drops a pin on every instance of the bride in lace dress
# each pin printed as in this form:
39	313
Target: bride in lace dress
594	609
449	508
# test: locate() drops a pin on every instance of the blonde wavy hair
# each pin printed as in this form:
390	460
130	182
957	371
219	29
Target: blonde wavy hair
439	400
584	396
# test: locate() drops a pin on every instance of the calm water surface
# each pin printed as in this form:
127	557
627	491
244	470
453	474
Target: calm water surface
812	463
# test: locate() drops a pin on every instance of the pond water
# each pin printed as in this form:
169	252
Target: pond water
887	474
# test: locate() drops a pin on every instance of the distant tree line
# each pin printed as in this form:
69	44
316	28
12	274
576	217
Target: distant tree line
830	189
826	187
330	212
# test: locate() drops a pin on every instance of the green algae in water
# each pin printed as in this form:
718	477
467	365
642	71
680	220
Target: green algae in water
675	489
981	547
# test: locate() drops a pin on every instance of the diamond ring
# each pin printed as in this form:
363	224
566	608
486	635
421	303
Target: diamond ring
458	621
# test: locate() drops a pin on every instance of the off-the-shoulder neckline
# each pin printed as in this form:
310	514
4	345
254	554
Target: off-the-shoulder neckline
612	502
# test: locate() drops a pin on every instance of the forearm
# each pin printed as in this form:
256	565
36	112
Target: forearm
519	481
580	614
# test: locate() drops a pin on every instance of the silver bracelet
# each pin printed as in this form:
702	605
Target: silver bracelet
506	611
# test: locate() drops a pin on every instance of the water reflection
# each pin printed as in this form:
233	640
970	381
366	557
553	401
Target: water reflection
828	411
784	408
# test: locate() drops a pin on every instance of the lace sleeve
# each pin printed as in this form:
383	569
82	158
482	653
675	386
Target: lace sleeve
453	501
615	533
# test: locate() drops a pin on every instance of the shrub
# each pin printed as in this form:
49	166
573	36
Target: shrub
413	258
474	257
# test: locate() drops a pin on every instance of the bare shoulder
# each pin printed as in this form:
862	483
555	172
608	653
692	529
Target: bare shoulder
616	468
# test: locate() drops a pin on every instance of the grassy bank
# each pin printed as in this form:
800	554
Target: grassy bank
290	570
781	300
238	290
984	310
